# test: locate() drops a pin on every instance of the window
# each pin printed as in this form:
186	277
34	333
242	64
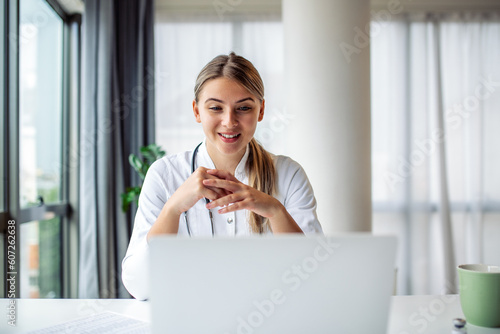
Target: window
40	134
40	103
408	170
42	72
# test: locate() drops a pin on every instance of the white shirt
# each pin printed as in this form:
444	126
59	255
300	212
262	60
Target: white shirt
164	176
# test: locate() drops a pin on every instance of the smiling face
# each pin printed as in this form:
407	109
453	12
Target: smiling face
229	114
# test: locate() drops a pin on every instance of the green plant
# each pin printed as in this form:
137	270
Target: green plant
150	154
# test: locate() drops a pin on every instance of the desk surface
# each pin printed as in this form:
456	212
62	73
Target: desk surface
409	314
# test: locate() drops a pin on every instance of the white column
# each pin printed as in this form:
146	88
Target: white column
327	70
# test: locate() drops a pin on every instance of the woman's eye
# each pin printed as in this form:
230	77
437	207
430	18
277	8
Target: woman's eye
244	108
215	108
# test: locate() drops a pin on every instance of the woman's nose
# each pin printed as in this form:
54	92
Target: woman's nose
229	120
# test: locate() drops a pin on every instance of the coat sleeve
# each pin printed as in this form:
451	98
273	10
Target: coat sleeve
135	264
297	195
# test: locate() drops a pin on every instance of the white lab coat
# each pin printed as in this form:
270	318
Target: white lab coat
169	173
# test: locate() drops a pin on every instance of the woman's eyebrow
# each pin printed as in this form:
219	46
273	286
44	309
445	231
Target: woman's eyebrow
213	99
220	101
245	99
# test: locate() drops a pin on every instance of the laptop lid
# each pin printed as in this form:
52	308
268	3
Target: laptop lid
278	284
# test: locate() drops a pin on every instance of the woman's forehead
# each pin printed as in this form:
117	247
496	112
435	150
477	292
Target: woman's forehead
225	90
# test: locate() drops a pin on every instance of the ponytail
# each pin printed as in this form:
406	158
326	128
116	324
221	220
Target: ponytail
261	176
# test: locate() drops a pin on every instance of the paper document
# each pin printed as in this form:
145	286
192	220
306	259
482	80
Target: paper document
101	323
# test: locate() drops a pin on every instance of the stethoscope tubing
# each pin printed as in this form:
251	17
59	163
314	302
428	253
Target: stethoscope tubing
193	168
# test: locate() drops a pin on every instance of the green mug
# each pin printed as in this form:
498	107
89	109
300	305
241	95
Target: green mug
479	289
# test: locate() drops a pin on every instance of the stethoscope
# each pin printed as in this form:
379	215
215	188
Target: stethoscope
193	167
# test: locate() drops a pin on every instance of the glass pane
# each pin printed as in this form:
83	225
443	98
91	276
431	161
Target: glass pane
40	265
40	103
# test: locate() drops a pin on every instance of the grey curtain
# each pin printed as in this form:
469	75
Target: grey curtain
117	118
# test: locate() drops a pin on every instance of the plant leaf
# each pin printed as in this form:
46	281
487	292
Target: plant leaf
138	165
130	195
151	153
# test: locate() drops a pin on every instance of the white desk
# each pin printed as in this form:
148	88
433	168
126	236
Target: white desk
409	314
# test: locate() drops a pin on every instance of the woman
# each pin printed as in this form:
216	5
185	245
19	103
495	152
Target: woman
229	185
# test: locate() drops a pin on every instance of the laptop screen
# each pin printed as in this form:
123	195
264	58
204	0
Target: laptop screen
278	284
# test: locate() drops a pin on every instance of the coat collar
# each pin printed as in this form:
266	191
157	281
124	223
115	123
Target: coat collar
204	159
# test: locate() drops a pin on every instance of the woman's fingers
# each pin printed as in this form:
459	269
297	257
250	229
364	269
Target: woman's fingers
238	196
222	174
226	200
242	197
200	175
231	208
212	194
235	192
228	186
220	191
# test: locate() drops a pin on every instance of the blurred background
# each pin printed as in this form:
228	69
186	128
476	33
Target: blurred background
86	83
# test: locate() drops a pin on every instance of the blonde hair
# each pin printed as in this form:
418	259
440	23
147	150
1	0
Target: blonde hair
260	165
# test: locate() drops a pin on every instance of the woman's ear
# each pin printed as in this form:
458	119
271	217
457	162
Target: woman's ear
261	112
196	112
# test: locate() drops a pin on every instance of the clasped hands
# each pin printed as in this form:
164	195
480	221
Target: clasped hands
224	192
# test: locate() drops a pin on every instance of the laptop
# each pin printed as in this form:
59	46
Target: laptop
277	284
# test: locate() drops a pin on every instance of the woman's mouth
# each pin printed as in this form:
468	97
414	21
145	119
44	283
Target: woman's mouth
229	137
